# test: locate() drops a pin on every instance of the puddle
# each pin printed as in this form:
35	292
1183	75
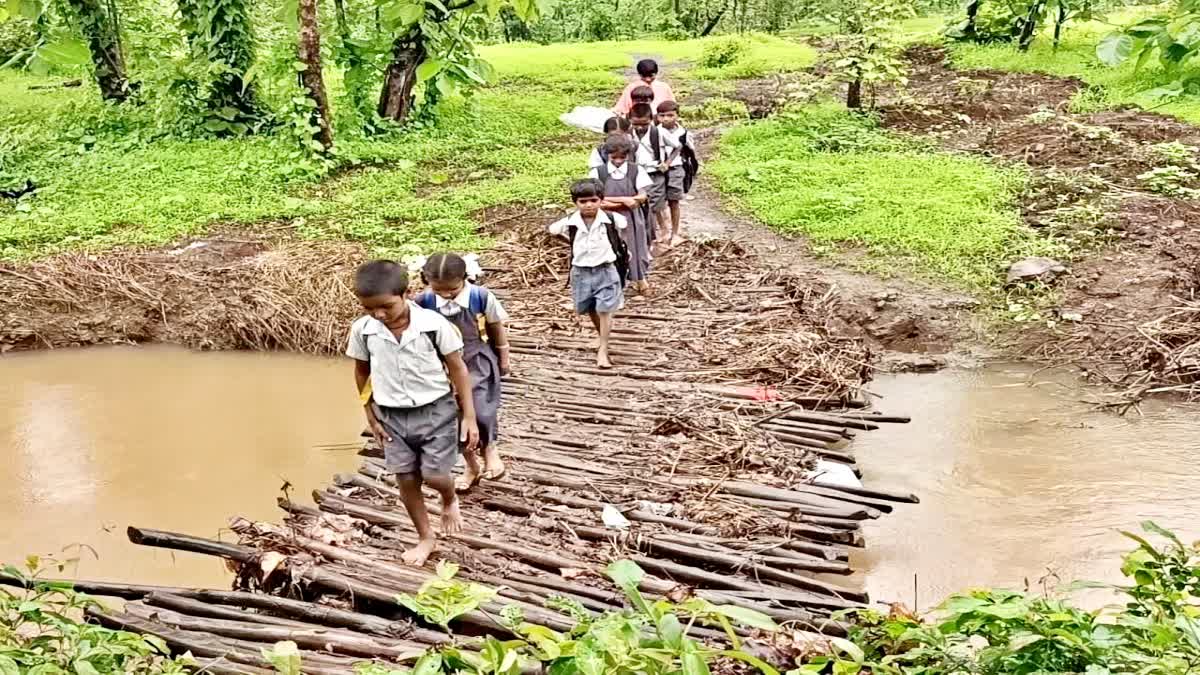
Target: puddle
1018	481
97	439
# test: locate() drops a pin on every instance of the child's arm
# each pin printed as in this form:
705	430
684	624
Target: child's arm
559	227
497	334
362	380
677	148
460	378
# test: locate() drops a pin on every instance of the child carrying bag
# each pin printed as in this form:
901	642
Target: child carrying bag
618	247
691	163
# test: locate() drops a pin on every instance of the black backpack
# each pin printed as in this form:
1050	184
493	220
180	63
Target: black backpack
617	244
691	163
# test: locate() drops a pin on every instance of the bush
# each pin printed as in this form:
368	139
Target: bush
16	36
723	52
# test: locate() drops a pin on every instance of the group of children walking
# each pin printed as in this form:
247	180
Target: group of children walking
428	371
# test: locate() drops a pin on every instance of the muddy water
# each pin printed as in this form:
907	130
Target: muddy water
1018	481
94	440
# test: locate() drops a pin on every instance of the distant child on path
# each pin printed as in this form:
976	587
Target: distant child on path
647	70
624	186
668	123
479	317
656	152
399	349
596	249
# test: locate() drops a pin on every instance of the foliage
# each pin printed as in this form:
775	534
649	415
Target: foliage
17	36
441	599
1170	36
723	52
866	52
838	180
40	632
649	638
1156	631
1017	20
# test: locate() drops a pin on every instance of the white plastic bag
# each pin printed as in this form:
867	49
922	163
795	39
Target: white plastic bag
587	117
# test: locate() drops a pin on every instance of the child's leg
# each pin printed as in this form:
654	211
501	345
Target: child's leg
402	460
603	322
414	504
471	472
440	432
674	205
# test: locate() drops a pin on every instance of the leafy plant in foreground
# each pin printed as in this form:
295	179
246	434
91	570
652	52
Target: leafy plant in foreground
442	599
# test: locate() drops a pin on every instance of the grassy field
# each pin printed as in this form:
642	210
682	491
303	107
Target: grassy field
109	176
837	180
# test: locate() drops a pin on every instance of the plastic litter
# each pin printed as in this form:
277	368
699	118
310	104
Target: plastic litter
587	117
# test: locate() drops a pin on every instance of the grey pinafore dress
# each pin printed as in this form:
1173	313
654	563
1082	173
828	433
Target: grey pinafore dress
637	234
484	367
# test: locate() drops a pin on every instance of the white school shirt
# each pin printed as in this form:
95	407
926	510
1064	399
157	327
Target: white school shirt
591	248
493	310
405	373
642	182
675	135
645	154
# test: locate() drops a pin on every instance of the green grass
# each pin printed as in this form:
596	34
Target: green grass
1076	57
835	179
110	176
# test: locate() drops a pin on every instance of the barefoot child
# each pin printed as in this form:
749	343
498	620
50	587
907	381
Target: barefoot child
596	251
479	317
678	173
612	125
624	185
656	152
647	70
399	350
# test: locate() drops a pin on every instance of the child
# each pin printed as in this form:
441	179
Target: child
656	152
399	350
612	125
647	70
479	317
625	185
679	171
596	251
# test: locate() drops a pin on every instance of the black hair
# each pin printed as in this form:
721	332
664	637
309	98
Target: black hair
642	92
588	188
444	267
380	277
668	107
613	124
647	67
641	110
618	144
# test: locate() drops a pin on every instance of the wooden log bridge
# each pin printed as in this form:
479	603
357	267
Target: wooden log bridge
704	456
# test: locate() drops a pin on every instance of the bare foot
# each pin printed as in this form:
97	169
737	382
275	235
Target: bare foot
494	465
417	555
452	522
469	478
602	360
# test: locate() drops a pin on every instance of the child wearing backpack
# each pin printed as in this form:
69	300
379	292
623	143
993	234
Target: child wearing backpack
407	363
684	166
613	125
656	152
626	185
479	317
598	259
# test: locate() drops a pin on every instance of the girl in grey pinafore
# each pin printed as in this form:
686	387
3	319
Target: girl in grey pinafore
636	233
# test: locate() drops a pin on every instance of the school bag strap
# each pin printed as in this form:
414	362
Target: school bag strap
431	335
655	143
478	300
601	175
427	300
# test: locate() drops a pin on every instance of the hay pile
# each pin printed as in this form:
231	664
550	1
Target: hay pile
217	294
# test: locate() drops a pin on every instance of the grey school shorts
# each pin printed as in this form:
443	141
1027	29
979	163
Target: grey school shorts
596	289
675	184
424	440
657	192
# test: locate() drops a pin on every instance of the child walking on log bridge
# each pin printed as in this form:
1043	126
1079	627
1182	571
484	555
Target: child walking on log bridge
623	187
598	259
399	350
479	318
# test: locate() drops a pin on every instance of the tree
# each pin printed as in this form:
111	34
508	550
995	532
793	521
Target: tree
220	34
865	53
101	28
96	21
308	53
432	47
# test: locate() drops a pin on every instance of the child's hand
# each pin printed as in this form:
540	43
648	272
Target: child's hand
379	433
505	367
469	434
630	202
664	167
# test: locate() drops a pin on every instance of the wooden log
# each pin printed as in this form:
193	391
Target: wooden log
178	603
186	542
101	588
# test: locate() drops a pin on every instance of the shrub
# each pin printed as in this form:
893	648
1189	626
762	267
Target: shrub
16	36
723	52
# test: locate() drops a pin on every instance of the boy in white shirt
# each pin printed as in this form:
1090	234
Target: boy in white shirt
656	152
405	360
669	126
597	283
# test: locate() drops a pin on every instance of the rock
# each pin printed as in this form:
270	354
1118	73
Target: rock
1034	268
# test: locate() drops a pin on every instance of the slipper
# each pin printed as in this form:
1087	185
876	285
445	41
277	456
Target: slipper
489	476
460	487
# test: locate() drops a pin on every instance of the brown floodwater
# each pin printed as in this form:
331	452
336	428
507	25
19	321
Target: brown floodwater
1019	480
97	439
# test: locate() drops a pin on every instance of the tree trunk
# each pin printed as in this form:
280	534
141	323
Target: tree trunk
854	94
396	99
103	34
308	52
1059	21
1029	26
969	30
713	21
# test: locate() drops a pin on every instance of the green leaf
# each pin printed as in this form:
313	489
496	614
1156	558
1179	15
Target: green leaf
670	631
763	667
65	52
299	66
8	666
694	664
30	9
1155	528
625	573
430	664
747	617
446	570
398	16
470	74
84	668
428	69
1114	49
284	656
852	650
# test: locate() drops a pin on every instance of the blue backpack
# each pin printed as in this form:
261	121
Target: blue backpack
477	303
